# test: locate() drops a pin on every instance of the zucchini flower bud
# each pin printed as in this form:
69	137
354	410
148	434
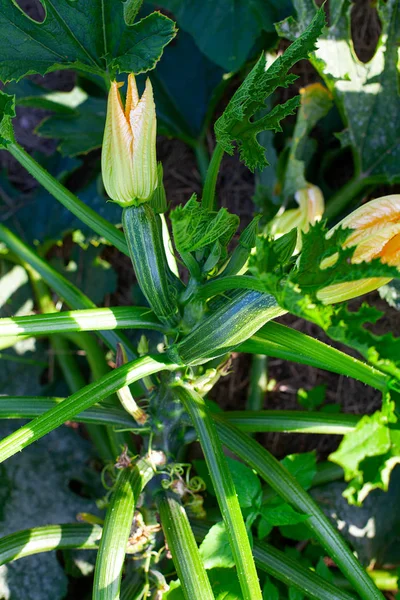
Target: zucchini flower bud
128	159
376	234
311	207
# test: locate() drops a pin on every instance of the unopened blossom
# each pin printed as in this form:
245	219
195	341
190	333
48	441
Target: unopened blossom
128	160
310	210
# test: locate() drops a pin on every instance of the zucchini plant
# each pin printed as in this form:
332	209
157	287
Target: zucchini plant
204	301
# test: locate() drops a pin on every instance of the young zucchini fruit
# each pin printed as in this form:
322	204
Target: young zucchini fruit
143	232
233	322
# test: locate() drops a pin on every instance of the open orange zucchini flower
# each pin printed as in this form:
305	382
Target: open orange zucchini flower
128	159
376	234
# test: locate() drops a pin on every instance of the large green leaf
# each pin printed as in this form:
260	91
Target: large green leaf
88	35
226	30
184	104
366	93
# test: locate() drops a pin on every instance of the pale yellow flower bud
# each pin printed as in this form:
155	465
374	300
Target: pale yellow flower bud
311	207
128	159
376	234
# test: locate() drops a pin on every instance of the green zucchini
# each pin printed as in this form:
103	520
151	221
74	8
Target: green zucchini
233	322
143	232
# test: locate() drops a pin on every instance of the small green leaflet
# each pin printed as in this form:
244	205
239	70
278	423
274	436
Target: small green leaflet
85	35
270	591
277	513
369	454
247	483
7	113
235	124
302	466
195	228
215	549
312	399
224	582
367	94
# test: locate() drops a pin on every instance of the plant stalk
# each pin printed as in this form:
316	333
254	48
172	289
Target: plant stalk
86	214
208	199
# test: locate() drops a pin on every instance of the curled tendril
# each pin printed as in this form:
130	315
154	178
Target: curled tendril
197	484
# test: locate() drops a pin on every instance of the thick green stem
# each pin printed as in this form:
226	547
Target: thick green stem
346	195
208	199
225	491
97	319
279	341
29	407
106	440
64	288
286	486
50	537
282	567
291	421
87	215
80	401
258	382
182	544
202	159
117	526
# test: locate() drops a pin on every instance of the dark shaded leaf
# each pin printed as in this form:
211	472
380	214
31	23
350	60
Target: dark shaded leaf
88	35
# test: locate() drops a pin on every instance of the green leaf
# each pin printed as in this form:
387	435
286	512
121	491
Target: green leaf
366	93
194	227
90	36
295	594
315	103
282	514
215	549
369	454
184	104
235	125
312	399
7	113
224	584
302	466
322	570
270	591
297	292
247	484
80	130
89	271
225	30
